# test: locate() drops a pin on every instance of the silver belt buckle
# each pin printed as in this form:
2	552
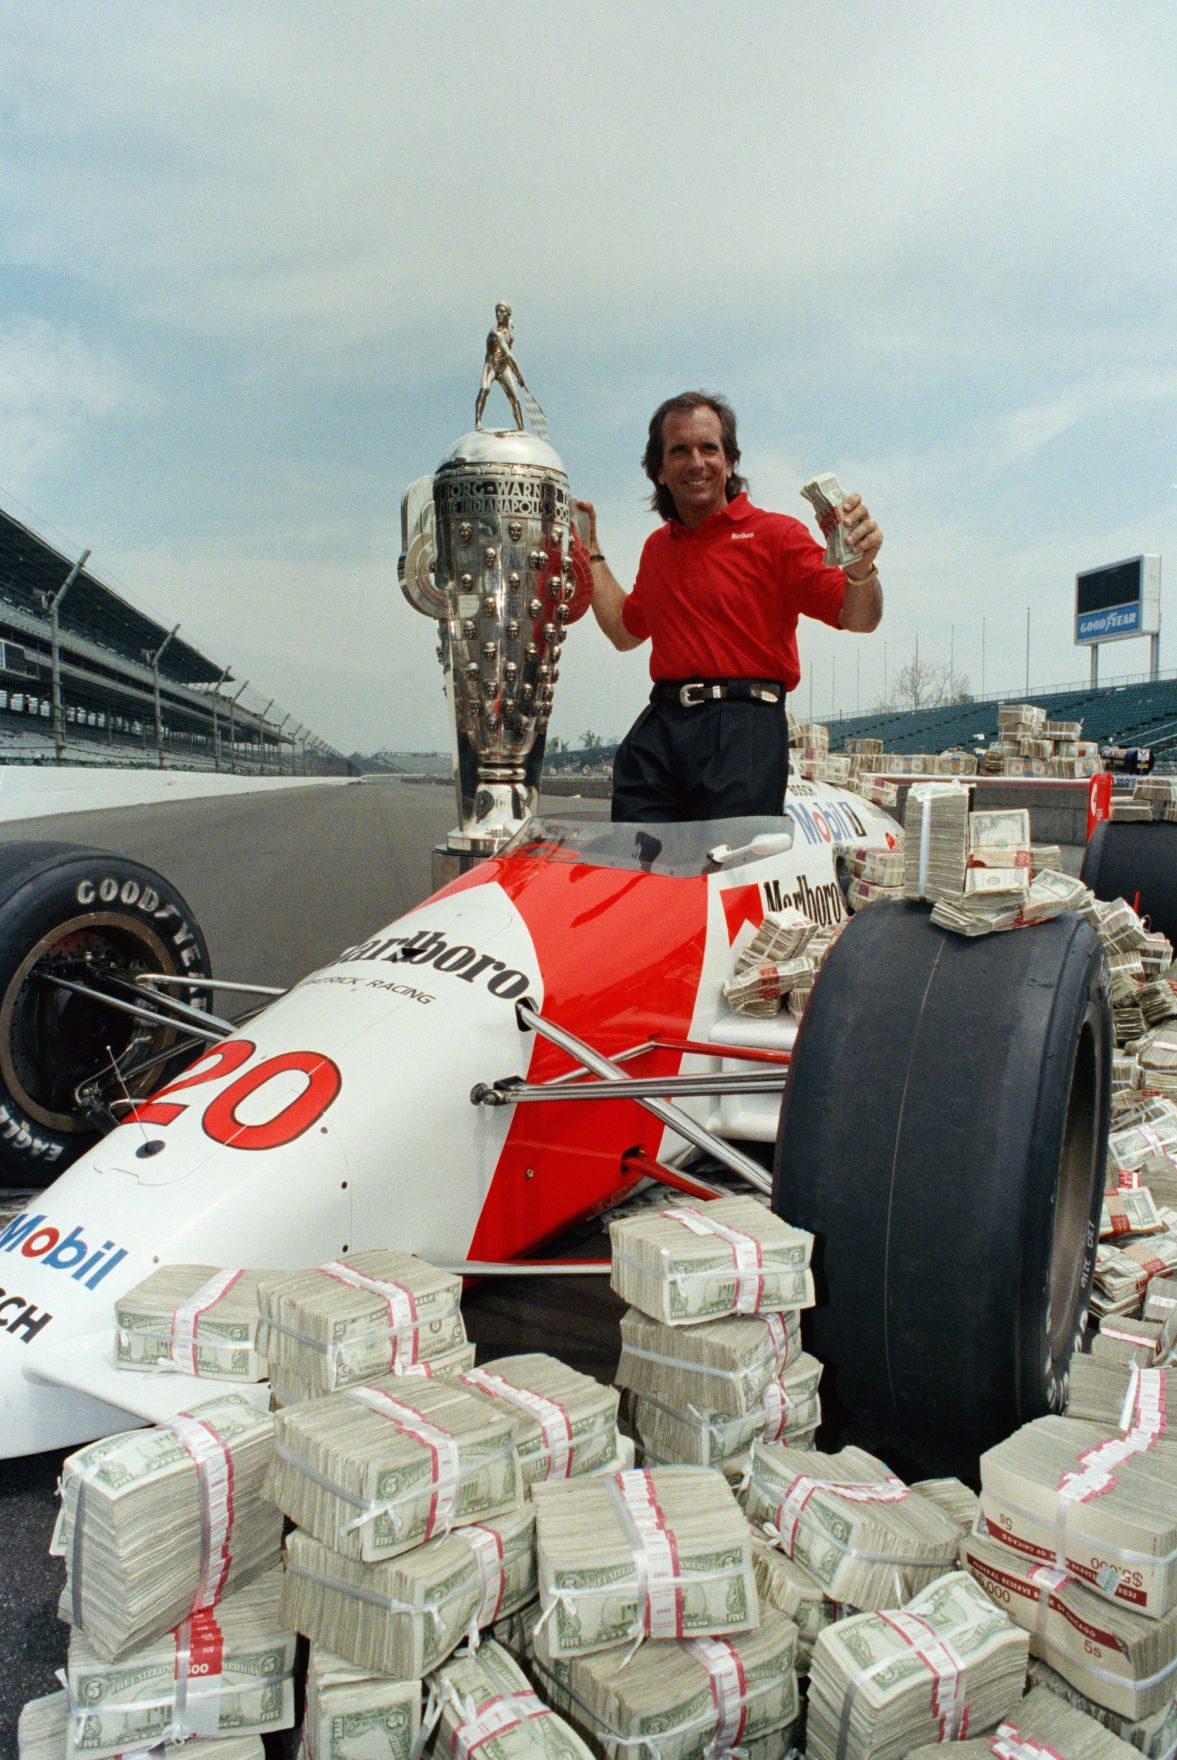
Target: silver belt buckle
693	694
761	695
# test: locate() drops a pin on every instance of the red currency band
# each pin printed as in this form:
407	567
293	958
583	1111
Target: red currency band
187	1317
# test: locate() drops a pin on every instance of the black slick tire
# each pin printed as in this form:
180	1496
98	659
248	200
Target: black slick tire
67	910
1137	863
943	1135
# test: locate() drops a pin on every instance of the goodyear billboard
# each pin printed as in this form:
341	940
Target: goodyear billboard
1122	599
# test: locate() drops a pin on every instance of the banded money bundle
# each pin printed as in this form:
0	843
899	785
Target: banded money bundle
565	1423
1160	1298
936	839
1122	1274
1161	789
1120	1395
154	1523
1155	1737
406	1615
1100	1504
958	1501
376	1470
1131	810
356	1319
1126	1341
444	1367
977	913
786	1585
868	1539
1111	1653
1006	831
1045	857
1156	954
1041	1727
864	892
43	1734
488	1707
1155	1135
351	1711
997	882
1128	1213
789	1412
1021	718
721	1366
1157	1051
696	1262
677	1699
881	1683
226	1670
191	1317
1159	1003
1119	925
782	935
1125	1075
826	496
658	1554
882	867
758	989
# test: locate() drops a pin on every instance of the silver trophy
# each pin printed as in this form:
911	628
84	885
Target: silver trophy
487	552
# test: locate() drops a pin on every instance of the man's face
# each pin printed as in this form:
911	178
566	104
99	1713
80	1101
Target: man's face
695	467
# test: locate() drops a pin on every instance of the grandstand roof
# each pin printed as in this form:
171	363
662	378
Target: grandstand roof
31	568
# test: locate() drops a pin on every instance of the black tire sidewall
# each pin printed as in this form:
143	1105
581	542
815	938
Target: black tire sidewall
1136	862
44	887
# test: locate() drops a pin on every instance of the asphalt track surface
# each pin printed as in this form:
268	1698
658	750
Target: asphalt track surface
279	883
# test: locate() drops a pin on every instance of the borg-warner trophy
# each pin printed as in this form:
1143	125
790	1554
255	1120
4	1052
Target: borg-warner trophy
488	552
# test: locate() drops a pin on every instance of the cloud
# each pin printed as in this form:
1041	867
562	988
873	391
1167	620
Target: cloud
53	389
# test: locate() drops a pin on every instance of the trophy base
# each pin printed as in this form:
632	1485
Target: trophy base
458	855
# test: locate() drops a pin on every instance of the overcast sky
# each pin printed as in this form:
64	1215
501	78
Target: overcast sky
252	251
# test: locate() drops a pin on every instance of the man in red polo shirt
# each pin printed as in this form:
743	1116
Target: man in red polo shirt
719	589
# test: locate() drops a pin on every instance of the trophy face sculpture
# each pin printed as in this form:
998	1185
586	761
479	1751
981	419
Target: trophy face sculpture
487	551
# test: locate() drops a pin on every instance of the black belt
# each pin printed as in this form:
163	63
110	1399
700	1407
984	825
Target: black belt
692	693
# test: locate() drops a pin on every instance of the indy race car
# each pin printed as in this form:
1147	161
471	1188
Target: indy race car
523	1050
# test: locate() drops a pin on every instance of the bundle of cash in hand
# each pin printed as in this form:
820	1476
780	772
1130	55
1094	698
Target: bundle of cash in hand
376	1470
1116	1656
156	1522
191	1317
868	1539
881	1683
565	1422
487	1707
789	1412
692	1262
721	1366
826	497
1041	1727
404	1616
371	1314
226	1670
677	1699
43	1734
936	839
660	1554
353	1712
1155	1737
1100	1503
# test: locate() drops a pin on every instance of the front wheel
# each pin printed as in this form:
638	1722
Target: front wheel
76	916
944	1135
1138	863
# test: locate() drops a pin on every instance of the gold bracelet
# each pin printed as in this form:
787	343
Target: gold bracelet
596	556
860	580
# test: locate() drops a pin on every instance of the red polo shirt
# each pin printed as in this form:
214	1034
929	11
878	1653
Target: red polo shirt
723	602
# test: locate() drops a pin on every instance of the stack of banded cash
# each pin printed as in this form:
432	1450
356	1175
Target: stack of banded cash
785	1584
692	1262
1155	1736
1045	857
1125	1077
1128	1212
882	1683
43	1734
351	1712
1158	999
869	1539
1119	925
1114	1655
376	1470
1123	1274
406	1615
156	1522
1130	809
1157	791
565	1423
1126	1340
487	1706
227	1670
1157	1055
826	497
758	989
1000	839
957	1500
659	1554
1140	1138
373	1314
1160	1298
1156	954
1115	1394
978	913
1041	1727
936	840
797	1000
704	1393
678	1699
191	1317
1101	1504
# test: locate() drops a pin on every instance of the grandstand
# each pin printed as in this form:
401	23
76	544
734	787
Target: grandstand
86	677
1140	713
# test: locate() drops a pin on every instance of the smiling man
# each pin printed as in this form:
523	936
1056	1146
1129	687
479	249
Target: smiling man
719	590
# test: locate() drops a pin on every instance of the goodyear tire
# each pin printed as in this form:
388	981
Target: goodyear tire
1139	863
943	1135
70	911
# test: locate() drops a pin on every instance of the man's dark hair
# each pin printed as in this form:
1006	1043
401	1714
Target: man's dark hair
662	501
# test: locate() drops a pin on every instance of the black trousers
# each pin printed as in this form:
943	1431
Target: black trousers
718	761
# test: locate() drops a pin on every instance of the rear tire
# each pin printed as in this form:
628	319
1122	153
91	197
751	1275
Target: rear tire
1137	863
944	1134
70	910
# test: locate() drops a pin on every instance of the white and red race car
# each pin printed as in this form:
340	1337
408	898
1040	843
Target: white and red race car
521	1051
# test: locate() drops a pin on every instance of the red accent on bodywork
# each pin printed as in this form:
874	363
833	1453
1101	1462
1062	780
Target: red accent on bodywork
741	904
621	954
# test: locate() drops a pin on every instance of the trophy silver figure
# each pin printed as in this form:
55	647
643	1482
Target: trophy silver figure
487	552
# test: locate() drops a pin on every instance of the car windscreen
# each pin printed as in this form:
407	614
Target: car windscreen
679	848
